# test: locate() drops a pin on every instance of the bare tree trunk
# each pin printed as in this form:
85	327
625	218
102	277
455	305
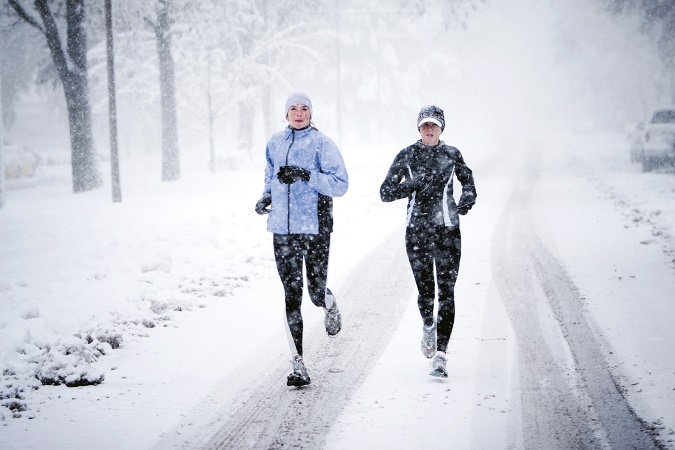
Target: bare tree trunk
211	117
267	90
245	135
338	75
112	106
85	171
167	80
71	65
267	109
2	162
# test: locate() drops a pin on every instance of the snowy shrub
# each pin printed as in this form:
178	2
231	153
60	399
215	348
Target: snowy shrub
11	392
11	397
14	405
66	362
29	312
69	362
156	265
162	307
111	337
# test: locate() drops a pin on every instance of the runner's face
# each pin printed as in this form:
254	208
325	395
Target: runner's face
298	116
431	134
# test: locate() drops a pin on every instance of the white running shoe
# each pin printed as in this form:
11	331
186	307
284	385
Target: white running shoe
439	365
299	376
333	319
428	343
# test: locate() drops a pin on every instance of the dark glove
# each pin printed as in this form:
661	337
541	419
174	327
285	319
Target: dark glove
291	174
466	202
261	207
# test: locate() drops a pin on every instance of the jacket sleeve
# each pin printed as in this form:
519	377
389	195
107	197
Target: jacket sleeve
396	184
331	179
269	170
465	177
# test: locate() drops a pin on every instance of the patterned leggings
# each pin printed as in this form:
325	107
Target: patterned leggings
443	247
289	252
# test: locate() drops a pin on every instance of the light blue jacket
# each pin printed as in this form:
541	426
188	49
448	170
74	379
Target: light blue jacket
299	208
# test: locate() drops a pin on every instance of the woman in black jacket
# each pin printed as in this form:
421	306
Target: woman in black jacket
423	172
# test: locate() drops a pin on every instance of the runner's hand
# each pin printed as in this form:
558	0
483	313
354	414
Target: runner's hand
261	207
291	174
466	202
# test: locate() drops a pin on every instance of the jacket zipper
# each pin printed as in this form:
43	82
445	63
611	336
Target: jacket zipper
288	187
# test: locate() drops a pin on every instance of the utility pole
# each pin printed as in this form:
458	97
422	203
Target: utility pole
112	107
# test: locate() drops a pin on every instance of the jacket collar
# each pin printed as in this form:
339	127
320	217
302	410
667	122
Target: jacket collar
421	146
298	133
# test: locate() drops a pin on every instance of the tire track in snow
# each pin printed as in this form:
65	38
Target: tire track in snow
372	303
569	397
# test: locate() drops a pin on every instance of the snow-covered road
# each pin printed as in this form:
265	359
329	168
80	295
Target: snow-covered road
569	395
563	329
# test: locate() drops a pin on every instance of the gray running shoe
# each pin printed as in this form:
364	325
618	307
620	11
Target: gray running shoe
299	376
333	319
439	364
428	343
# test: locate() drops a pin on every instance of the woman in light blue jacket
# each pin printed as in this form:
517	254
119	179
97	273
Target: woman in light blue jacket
304	171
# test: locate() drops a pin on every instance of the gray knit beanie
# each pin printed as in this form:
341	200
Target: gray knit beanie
298	98
432	114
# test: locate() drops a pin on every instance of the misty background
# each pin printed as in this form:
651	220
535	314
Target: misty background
500	68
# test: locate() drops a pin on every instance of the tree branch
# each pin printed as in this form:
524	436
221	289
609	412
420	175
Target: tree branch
16	6
149	23
51	31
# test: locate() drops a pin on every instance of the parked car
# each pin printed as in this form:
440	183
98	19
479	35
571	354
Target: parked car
634	136
658	139
20	161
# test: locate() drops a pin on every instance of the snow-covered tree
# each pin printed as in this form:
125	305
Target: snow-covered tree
658	23
230	55
146	79
137	77
161	26
69	55
613	69
22	49
384	53
236	61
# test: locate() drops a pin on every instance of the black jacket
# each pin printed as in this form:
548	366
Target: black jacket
424	175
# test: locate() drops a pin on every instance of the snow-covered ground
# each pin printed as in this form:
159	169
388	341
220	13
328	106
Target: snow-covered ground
181	276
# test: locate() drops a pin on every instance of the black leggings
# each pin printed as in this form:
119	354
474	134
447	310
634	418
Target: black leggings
444	247
289	252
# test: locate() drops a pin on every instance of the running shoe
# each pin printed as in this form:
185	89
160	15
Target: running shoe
428	343
439	365
299	376
333	319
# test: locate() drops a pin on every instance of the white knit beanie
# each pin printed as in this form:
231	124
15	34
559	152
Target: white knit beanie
298	98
